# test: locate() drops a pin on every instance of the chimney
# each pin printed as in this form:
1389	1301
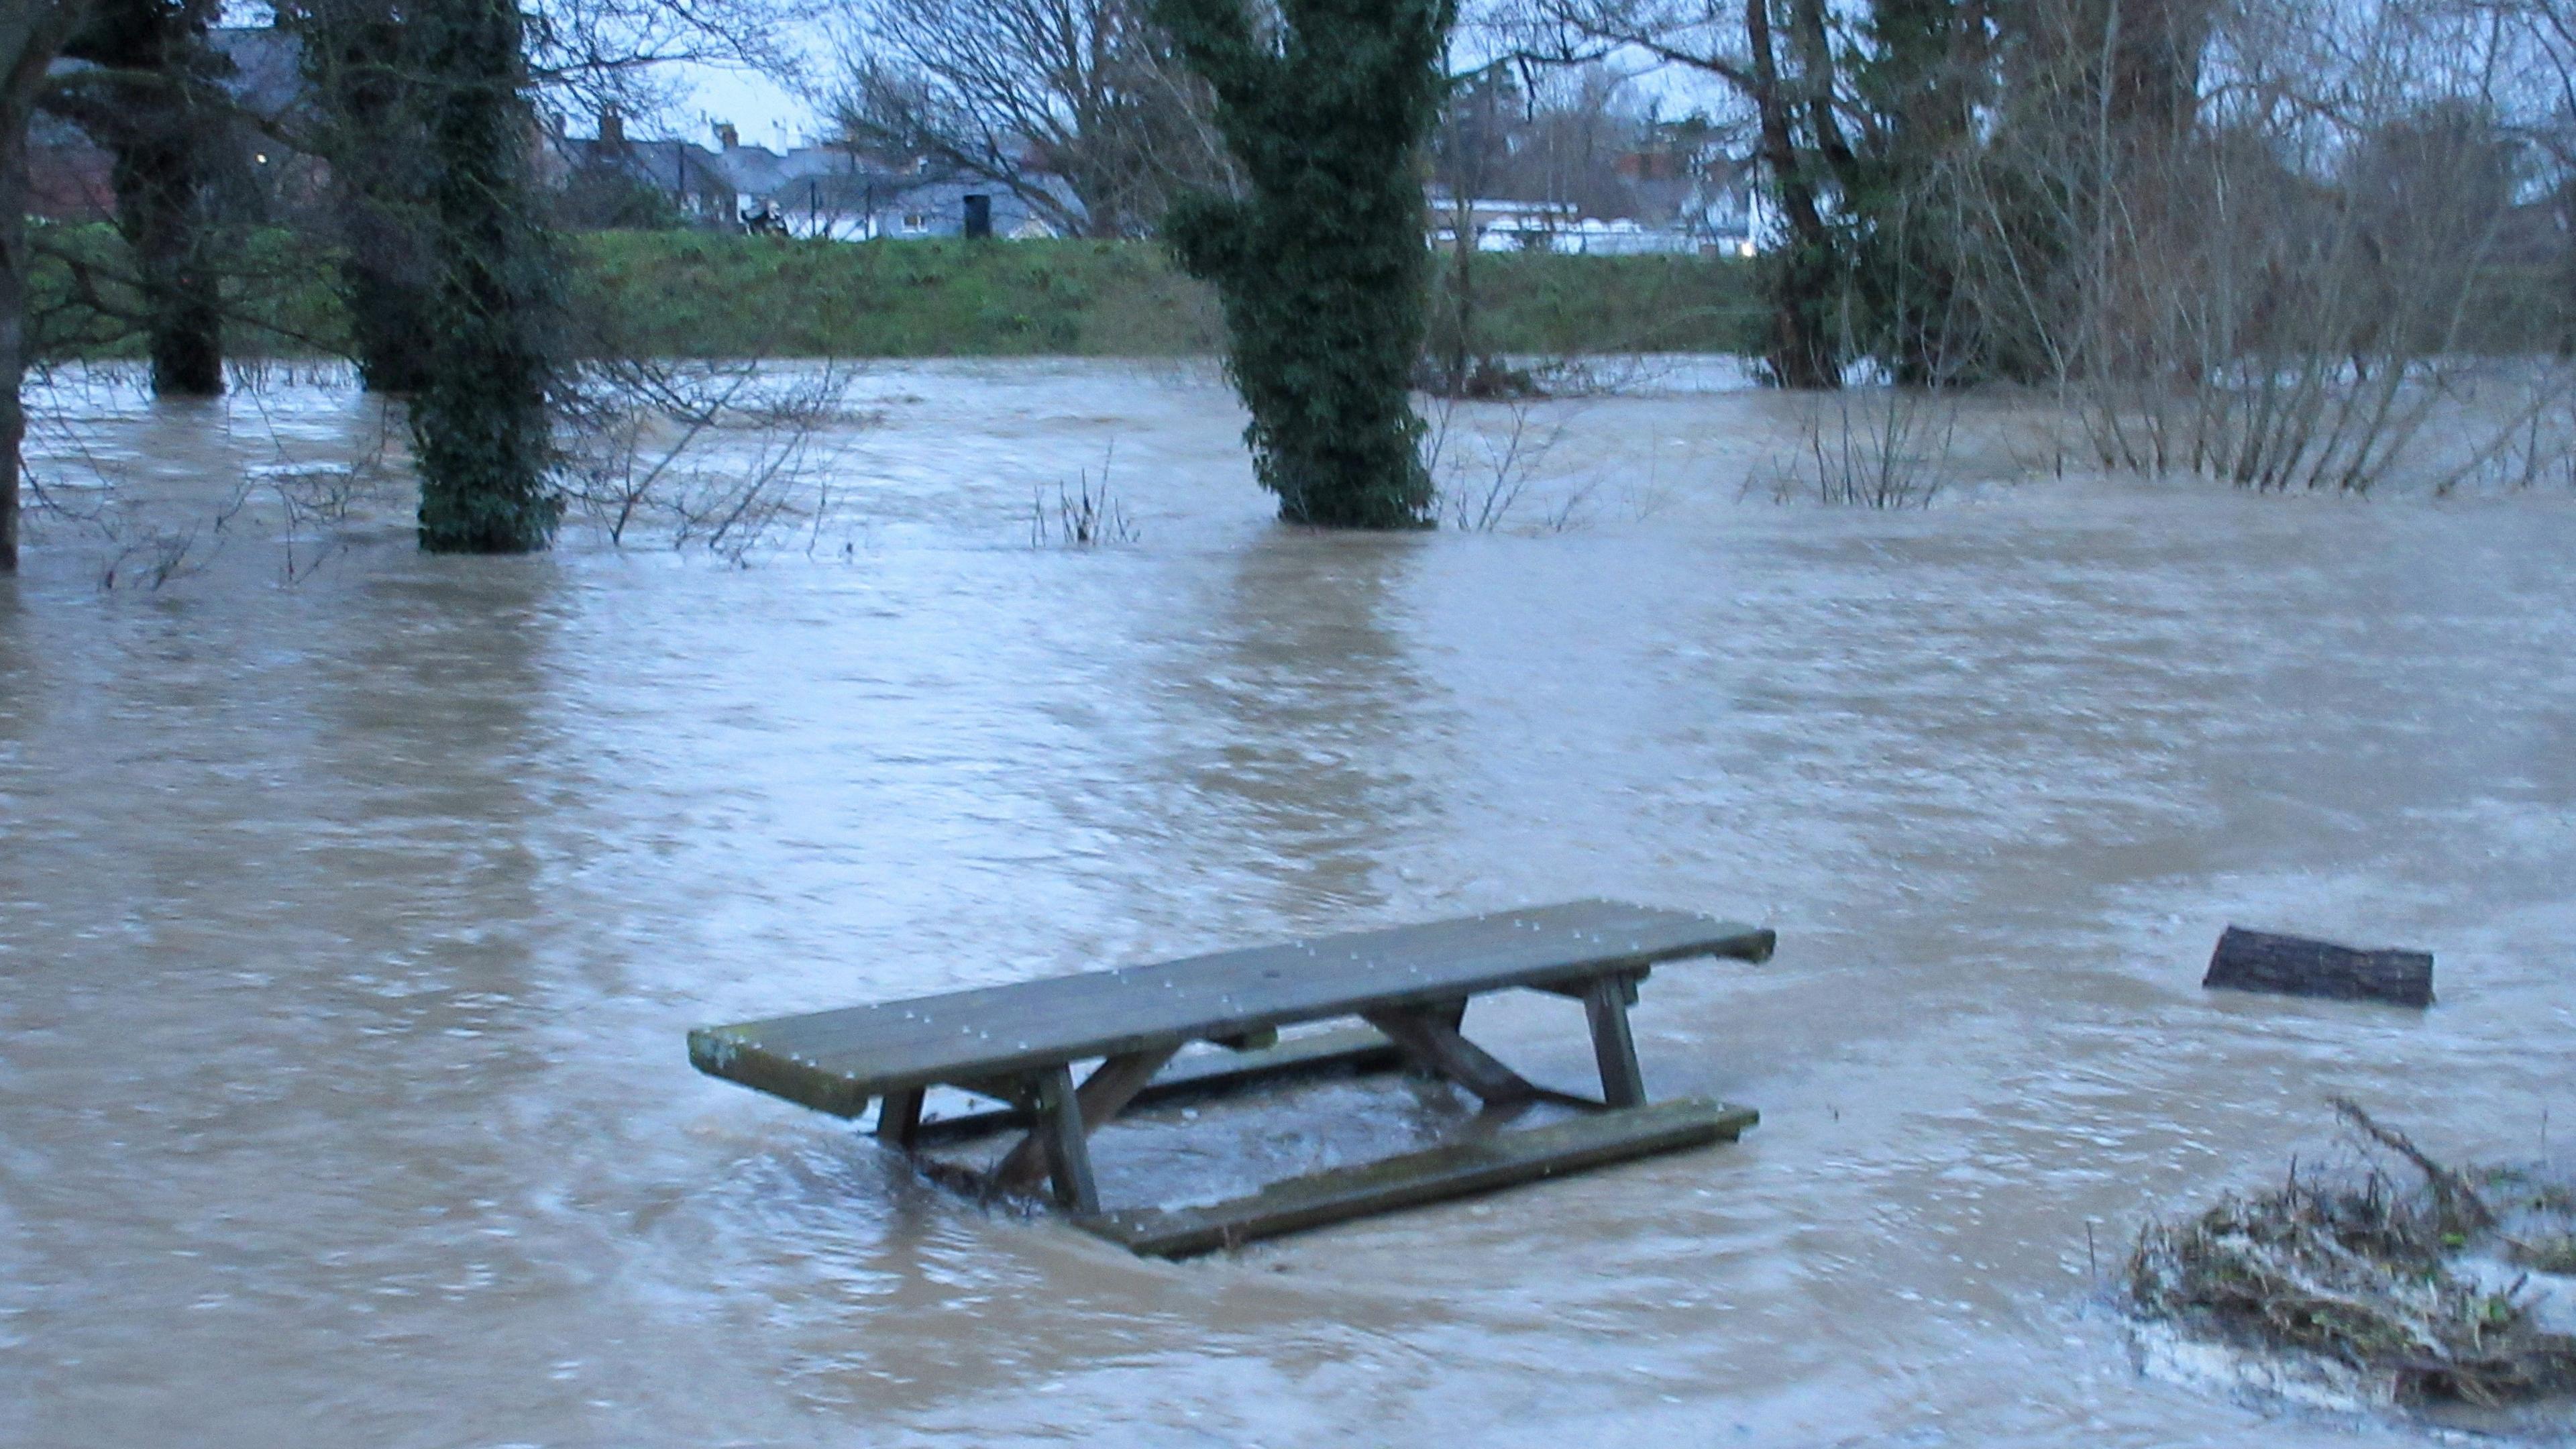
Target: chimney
726	136
612	127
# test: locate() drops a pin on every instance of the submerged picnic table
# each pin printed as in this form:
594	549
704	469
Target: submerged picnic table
1018	1044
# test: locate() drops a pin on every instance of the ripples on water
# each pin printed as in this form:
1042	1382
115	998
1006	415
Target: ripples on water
350	929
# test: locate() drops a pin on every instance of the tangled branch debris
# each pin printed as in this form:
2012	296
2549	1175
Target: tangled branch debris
2446	1290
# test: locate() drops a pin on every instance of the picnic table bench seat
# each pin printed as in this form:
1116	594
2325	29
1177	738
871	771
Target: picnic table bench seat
1017	1043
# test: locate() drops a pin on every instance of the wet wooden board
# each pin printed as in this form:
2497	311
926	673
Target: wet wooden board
1415	1178
1353	1050
836	1061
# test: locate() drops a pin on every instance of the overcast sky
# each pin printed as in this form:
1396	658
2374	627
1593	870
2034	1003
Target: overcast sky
764	111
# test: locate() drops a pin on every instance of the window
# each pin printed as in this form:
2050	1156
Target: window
915	221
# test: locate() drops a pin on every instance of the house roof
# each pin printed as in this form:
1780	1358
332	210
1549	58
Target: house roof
759	171
662	164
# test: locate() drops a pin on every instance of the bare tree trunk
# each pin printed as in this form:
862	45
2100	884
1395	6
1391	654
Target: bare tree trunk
375	135
30	36
1802	280
384	276
13	312
1462	352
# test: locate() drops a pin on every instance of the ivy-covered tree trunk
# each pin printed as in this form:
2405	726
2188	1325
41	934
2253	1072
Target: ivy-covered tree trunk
480	425
1321	269
151	99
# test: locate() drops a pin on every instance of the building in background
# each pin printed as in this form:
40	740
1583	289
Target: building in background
834	193
613	181
1700	204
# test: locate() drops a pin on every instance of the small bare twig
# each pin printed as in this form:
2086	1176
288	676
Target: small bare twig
1085	515
1478	494
2462	1210
711	455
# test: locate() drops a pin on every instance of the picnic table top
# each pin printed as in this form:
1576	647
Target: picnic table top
836	1061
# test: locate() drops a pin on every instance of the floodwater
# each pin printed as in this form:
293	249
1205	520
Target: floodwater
353	906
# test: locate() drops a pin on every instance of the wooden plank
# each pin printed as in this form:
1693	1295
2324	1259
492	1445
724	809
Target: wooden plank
1415	1178
836	1061
1067	1149
1103	1095
1623	1084
2295	966
1348	1051
1429	1038
1339	1051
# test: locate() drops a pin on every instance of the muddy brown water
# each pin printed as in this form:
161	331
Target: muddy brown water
349	929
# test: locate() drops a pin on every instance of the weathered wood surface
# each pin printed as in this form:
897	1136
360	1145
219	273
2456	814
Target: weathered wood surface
2296	966
1103	1095
1065	1140
1614	1049
1456	1170
899	1119
1200	1078
836	1061
1434	1046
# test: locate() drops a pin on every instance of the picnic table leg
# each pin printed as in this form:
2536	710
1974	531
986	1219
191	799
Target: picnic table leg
1068	1153
1429	1036
899	1119
1103	1095
1605	1001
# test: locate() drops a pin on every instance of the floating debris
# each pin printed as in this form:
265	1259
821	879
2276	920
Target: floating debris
2457	1288
2295	966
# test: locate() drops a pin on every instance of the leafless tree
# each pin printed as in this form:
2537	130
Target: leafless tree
590	55
1580	122
1077	107
1786	63
2307	277
1525	132
2535	71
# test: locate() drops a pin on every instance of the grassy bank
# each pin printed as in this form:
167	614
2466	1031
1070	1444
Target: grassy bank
667	294
689	294
693	295
684	295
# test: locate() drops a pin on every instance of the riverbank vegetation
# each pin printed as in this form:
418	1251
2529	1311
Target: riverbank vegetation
714	295
2292	246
